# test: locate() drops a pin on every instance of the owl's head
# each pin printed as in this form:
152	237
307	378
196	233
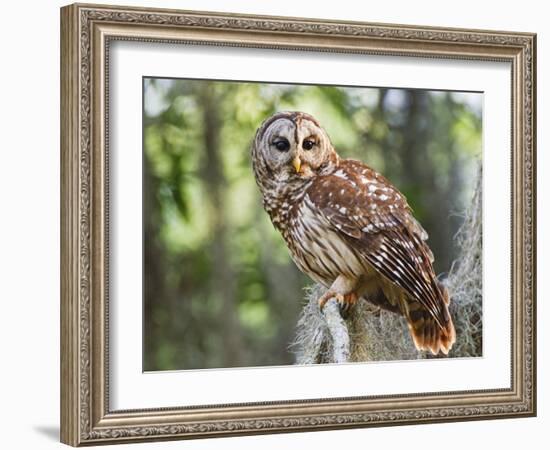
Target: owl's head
291	146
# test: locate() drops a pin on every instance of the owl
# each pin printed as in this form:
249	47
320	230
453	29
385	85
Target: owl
348	228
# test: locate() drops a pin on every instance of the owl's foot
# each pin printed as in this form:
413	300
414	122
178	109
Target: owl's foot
345	301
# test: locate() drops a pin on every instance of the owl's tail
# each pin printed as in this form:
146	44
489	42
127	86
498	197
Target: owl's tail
426	332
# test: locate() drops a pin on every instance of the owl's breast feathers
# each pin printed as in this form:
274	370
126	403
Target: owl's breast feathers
354	222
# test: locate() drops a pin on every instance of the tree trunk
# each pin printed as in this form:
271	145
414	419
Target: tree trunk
223	280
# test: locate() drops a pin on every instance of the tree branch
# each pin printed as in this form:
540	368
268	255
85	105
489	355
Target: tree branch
338	331
323	337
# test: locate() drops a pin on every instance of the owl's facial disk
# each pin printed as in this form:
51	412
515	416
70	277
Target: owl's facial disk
295	147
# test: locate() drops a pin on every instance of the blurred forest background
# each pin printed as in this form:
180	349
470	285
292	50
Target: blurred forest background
220	289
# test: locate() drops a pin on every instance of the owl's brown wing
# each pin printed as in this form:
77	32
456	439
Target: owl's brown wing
375	219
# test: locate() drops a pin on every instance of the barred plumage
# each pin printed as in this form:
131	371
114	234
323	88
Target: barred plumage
348	228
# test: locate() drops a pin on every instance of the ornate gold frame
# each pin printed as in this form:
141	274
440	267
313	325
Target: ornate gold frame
86	31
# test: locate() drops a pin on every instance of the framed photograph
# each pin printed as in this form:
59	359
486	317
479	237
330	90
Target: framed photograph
281	224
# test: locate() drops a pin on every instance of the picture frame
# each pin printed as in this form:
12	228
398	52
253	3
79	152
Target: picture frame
87	33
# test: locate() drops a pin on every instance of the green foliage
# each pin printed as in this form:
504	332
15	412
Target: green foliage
220	288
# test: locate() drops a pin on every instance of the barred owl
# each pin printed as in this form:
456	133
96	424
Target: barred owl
348	228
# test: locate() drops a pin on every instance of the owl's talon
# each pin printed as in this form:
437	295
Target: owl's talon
345	302
344	307
344	311
327	296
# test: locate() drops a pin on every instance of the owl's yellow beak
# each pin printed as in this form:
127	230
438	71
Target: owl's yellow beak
297	164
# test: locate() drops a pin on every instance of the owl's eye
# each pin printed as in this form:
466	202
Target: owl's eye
308	144
282	145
